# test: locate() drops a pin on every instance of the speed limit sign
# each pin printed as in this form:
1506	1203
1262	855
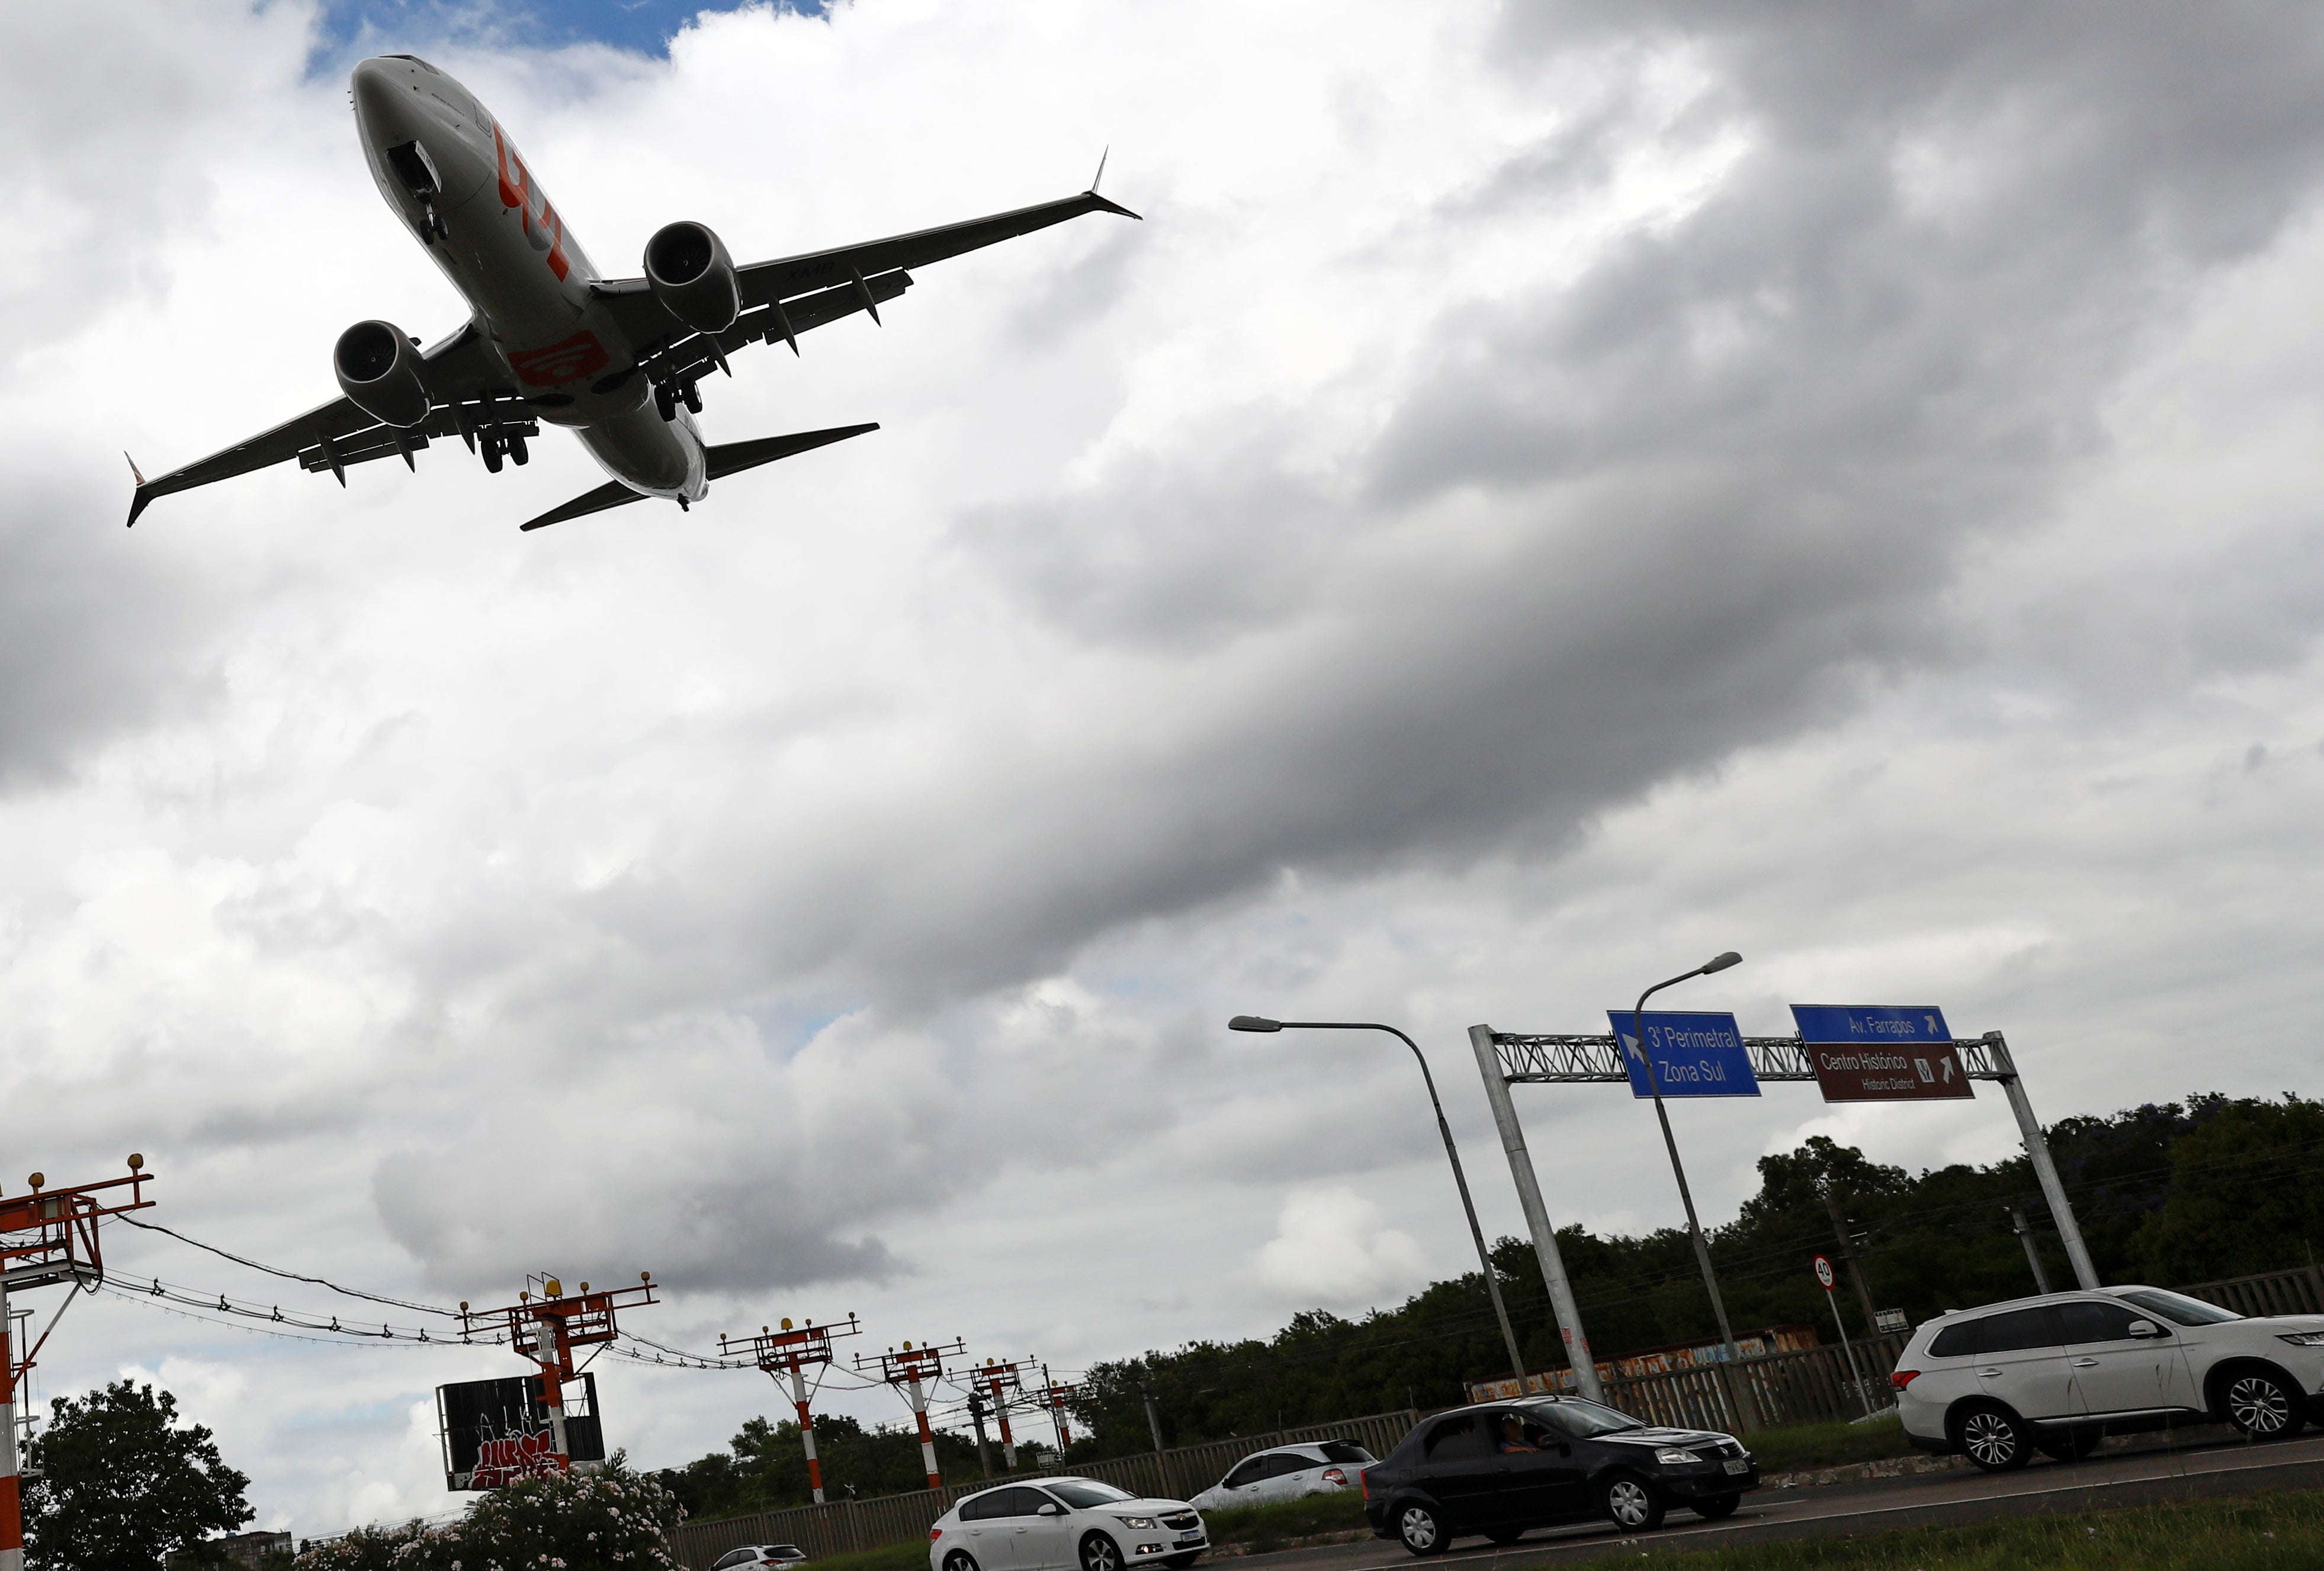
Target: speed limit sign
1824	1273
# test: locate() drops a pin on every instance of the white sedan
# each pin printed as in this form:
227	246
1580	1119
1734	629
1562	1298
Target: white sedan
1065	1524
1288	1473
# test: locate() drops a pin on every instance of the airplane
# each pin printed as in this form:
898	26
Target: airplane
618	362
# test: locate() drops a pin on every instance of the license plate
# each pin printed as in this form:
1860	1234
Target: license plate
1190	1536
1738	1465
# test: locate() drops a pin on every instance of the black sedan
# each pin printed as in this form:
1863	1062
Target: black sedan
1506	1466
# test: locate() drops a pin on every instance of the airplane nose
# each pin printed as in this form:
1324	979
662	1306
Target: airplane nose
386	108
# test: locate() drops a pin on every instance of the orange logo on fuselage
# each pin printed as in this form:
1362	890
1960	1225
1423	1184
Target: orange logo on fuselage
568	360
518	193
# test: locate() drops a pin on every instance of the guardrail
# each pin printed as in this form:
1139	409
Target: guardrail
844	1527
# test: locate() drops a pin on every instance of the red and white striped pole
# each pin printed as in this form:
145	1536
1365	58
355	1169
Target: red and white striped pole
807	1428
12	1497
927	1436
1057	1406
1008	1441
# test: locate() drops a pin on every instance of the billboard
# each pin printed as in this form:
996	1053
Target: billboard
1881	1052
496	1431
1695	1054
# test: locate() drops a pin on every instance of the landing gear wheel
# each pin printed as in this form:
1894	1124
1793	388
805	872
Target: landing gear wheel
1631	1503
1505	1535
1421	1530
516	450
693	399
2262	1405
489	446
1710	1507
1100	1553
2071	1447
1994	1440
960	1560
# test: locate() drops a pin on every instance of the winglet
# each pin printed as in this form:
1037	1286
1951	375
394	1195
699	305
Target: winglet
138	500
1098	178
1101	203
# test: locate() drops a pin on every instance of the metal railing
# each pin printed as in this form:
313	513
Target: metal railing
2299	1291
845	1526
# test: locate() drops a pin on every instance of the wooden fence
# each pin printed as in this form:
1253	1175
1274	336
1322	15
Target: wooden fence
1811	1386
843	1526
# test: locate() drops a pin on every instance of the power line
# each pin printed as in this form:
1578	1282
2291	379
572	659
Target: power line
295	1276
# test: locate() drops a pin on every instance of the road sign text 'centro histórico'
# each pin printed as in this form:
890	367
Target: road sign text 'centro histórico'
1880	1052
1695	1054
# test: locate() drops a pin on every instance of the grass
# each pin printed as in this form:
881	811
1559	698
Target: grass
1802	1446
2279	1530
909	1556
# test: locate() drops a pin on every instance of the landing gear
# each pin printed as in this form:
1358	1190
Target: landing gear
516	449
693	399
490	445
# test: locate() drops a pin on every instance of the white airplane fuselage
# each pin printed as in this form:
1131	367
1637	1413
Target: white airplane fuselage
506	249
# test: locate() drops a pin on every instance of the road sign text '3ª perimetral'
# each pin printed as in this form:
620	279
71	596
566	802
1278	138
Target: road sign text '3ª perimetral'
1695	1054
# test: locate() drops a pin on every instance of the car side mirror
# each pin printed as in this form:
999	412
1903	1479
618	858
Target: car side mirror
2145	1329
1051	1509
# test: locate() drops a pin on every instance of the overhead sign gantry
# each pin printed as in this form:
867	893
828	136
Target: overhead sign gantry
1883	1055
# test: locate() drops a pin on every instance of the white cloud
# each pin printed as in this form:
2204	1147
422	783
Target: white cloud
1331	1248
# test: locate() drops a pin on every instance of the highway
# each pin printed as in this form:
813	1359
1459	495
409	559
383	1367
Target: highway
2151	1474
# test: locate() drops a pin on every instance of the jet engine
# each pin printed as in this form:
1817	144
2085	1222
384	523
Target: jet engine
689	272
379	371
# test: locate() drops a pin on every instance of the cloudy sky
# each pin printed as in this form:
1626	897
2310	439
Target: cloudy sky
1550	492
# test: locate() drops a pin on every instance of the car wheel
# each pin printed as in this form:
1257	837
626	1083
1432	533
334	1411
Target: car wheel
1505	1535
2071	1447
960	1560
1631	1503
2260	1404
1993	1440
1710	1507
1100	1553
1421	1529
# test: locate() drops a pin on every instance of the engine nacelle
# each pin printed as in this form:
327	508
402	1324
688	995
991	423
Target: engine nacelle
379	371
689	272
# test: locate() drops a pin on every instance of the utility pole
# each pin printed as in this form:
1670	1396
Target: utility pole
976	1416
46	1237
909	1373
1154	1427
1849	1257
793	1353
547	1330
2032	1253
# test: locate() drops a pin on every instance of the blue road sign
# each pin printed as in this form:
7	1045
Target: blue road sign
1695	1055
1870	1022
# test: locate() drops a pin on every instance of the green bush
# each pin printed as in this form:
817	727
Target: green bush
573	1522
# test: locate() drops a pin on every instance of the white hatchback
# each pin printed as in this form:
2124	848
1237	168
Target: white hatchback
1288	1473
2053	1374
1065	1524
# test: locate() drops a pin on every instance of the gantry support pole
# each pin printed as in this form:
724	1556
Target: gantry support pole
927	1437
807	1428
2037	1151
1536	1215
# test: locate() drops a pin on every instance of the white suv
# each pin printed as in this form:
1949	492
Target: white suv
1287	1473
2054	1373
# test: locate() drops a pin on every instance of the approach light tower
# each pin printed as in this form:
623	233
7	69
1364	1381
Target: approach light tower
1057	1396
793	1353
912	1371
548	1328
999	1378
46	1237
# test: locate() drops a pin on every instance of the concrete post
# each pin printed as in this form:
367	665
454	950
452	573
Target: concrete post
2037	1151
1536	1215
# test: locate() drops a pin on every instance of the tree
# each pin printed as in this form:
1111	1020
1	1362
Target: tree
609	1520
121	1485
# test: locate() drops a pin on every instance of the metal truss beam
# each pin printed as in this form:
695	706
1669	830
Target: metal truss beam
1532	1060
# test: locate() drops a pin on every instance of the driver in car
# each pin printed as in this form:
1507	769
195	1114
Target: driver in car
1513	1437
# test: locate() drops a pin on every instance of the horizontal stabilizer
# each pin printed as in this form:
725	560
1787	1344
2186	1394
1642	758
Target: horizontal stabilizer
724	459
734	457
612	493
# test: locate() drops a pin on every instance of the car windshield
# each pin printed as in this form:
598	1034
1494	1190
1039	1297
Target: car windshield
1084	1492
2178	1306
1582	1419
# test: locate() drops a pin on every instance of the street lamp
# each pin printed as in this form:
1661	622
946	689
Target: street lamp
1748	1410
1251	1022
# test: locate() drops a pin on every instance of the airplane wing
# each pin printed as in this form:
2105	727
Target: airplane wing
786	297
460	379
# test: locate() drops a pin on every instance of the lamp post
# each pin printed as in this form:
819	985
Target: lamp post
1747	1409
1251	1022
